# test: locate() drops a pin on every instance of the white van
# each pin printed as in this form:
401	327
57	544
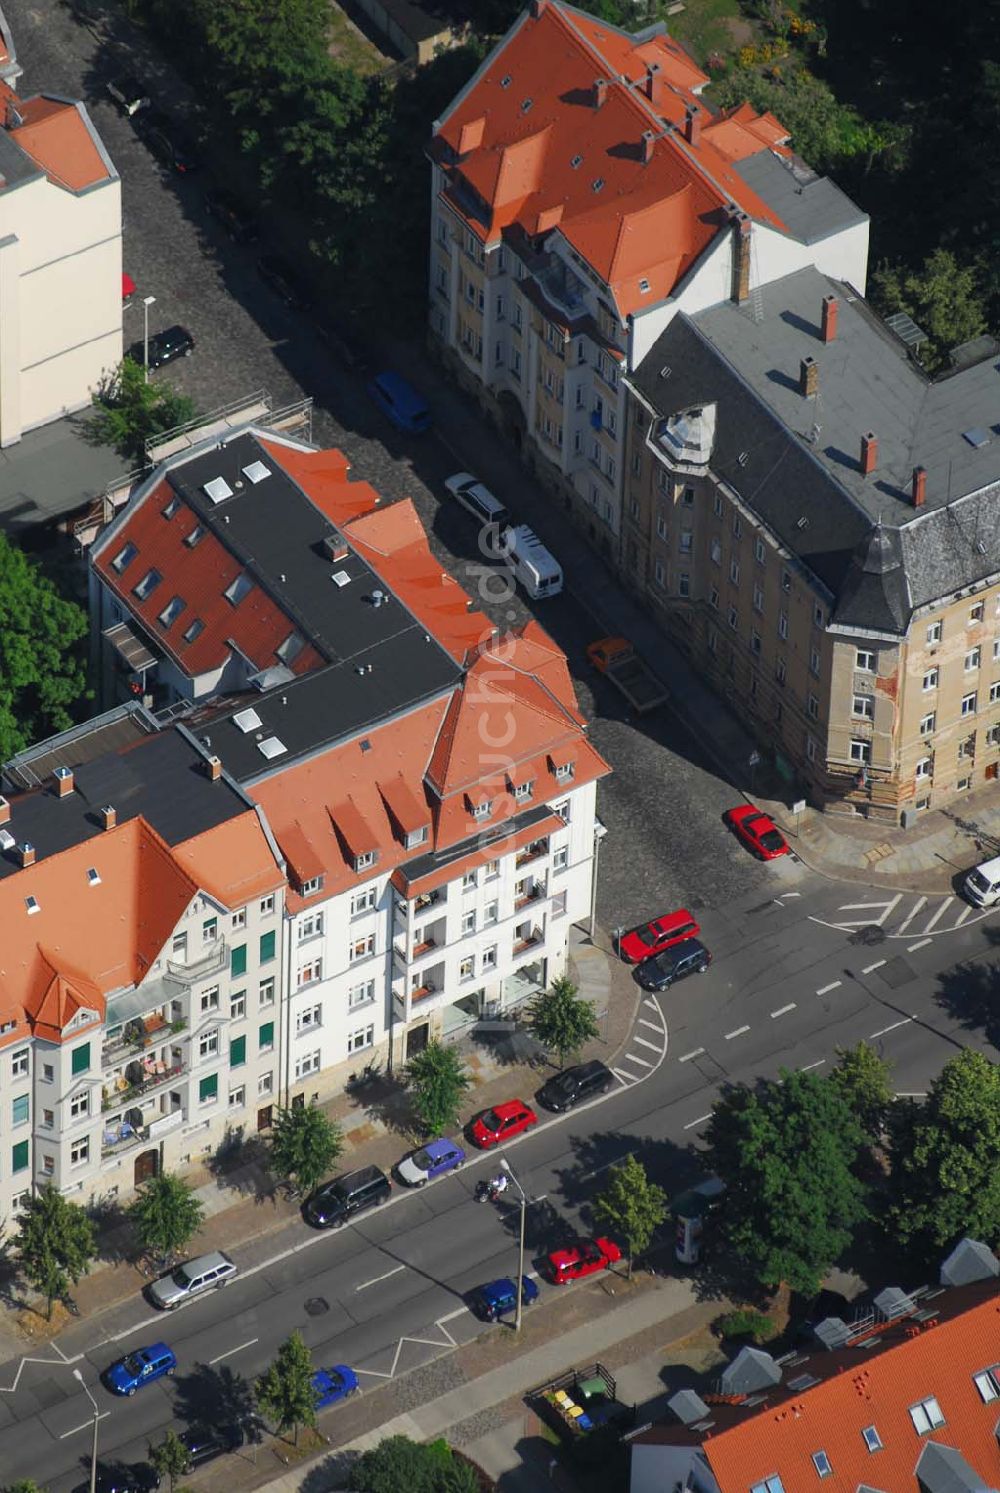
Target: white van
982	885
531	563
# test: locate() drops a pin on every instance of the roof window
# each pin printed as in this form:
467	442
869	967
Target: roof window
576	161
340	578
147	585
256	472
526	105
988	1384
821	1462
93	876
218	490
32	904
171	508
772	1484
247	720
172	611
271	747
289	650
365	859
926	1416
194	630
196	535
597	184
873	1440
124	558
506	80
644	286
238	589
483	809
365	745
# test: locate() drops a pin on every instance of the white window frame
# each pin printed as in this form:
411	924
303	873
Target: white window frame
79	1151
863	707
360	995
361	948
306	1064
361	1039
865	661
861	752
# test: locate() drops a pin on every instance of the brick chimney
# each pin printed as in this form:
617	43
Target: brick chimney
741	257
919	489
869	453
109	816
600	92
64	781
692	125
828	326
26	853
536	7
213	769
809	378
4	811
652	78
647	146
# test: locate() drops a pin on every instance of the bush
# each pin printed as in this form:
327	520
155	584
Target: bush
746	1323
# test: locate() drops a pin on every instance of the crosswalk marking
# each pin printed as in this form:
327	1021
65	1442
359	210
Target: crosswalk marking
921	902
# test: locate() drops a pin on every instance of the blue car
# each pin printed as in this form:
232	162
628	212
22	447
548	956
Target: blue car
401	402
126	1375
333	1385
432	1160
499	1298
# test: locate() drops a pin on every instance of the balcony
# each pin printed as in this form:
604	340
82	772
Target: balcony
140	1078
532	892
138	1034
532	852
211	959
526	938
122	1137
423	992
429	899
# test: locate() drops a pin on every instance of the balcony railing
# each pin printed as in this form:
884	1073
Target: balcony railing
213	958
522	945
138	1034
423	992
532	852
118	1138
534	894
126	1090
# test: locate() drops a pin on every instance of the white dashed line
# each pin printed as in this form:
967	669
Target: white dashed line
966	913
633	1057
229	1353
784	1010
870	968
692	1124
375	1279
625	1077
825	989
86	1425
911	948
689	1055
650	1004
810	1066
895	1025
653	1026
940	913
910	916
738	1033
653	1046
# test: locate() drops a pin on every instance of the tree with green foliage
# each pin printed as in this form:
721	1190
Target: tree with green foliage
865	1080
945	1156
166	1214
419	1467
131	414
23	1485
787	1153
561	1019
285	1390
55	1243
42	673
632	1206
439	1082
170	1458
305	1143
942	298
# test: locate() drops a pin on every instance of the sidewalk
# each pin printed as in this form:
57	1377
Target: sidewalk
926	858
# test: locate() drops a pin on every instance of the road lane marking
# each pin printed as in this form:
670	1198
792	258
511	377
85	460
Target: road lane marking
696	1053
939	914
905	1022
375	1280
588	1176
229	1353
625	1077
965	913
87	1425
700	1121
887	908
784	1010
871	968
825	989
653	1046
651	1024
810	1066
921	902
738	1033
911	948
633	1057
791	894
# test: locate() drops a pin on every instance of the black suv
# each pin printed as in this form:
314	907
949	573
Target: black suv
205	1443
688	958
574	1085
335	1202
164	347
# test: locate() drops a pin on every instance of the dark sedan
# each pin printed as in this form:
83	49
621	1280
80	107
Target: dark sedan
164	347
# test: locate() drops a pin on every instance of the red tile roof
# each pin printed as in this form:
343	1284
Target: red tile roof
57	136
528	140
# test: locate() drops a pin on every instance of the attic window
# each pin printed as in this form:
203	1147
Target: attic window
506	81
271	747
256	472
644	286
483	809
171	508
31	904
247	720
976	437
238	589
926	1416
124	558
873	1440
365	745
576	161
802	523
340	578
289	650
195	536
564	771
743	458
526	105
771	1484
194	630
821	1462
93	876
171	611
597	184
988	1384
310	886
416	837
218	490
147	585
365	859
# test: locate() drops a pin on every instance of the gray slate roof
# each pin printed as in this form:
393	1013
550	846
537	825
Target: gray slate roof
751	1369
811	206
943	1469
969	1260
52	471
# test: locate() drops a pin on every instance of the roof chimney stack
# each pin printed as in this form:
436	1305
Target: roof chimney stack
741	256
64	781
652	78
869	453
828	325
4	811
919	489
647	146
109	816
213	769
809	378
600	91
336	545
26	853
536	8
692	125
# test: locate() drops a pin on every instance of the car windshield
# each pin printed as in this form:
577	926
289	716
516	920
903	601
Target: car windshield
181	1278
492	1120
336	1380
563	1083
589	1251
771	840
133	1364
422	1160
646	935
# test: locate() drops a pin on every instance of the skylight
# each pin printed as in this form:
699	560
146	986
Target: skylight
644	286
873	1440
242	586
247	720
194	630
526	105
271	747
218	490
172	611
147	585
31	903
195	536
340	578
256	472
124	557
93	876
171	508
289	650
506	81
597	184
576	161
821	1462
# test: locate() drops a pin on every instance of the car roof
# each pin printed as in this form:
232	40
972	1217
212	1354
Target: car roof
500	1287
675	919
440	1147
508	1107
690	946
360	1177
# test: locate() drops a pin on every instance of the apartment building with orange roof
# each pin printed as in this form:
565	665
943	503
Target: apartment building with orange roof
427	781
62	307
583	193
904	1399
141	899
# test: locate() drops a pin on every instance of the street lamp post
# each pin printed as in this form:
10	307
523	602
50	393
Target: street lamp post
505	1164
97	1415
147	301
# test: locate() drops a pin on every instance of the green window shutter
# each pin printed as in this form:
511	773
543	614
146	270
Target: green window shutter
19	1156
209	1088
20	1109
238	960
267	946
266	1035
81	1058
237	1052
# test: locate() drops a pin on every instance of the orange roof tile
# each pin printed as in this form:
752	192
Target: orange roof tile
323	477
742	132
300	853
56	136
409	809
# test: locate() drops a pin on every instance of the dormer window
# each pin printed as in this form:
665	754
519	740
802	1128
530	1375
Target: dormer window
564	771
311	886
238	589
365	859
417	837
483	809
171	611
523	791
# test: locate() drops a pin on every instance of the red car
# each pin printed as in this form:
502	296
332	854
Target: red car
582	1257
758	833
501	1122
652	938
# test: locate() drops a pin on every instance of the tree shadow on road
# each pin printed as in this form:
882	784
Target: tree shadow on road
214	1397
971	993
